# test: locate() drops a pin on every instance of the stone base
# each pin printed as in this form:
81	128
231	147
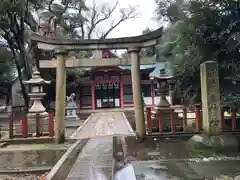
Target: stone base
43	122
205	145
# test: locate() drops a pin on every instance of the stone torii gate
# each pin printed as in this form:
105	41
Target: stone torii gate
62	46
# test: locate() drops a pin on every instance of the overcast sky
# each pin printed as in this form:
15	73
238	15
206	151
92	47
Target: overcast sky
132	27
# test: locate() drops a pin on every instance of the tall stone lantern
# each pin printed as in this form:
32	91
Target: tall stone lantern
164	84
36	95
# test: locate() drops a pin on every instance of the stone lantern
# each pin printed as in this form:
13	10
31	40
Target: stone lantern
36	95
164	84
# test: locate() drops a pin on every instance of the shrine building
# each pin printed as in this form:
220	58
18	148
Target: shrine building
111	86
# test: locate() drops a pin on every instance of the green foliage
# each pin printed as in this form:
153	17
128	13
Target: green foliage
6	71
202	31
149	51
16	21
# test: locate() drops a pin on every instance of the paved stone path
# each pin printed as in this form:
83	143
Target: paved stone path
95	162
104	124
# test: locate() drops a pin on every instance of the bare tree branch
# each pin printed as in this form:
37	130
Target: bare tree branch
98	17
126	14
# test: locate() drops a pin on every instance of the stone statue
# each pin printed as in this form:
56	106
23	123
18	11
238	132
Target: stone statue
71	107
71	100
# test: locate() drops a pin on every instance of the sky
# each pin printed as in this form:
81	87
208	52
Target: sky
132	27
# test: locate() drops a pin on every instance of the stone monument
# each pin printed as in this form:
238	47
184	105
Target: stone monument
36	95
210	97
211	142
71	109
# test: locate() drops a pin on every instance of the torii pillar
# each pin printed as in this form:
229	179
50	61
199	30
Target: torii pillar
60	96
137	92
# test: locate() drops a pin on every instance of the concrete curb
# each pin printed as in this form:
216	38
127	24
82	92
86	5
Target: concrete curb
61	170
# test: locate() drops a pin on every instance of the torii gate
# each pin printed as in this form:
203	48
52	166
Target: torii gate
62	46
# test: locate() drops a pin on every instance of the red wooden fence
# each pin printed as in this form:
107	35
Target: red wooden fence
231	127
24	126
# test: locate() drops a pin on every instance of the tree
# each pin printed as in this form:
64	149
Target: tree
145	52
207	31
75	19
149	51
16	20
6	73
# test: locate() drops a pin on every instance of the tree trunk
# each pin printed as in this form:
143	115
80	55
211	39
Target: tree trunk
20	77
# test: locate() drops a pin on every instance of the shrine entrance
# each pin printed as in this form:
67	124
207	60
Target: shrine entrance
107	95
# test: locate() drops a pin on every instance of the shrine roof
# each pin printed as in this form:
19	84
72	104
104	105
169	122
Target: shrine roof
142	67
154	67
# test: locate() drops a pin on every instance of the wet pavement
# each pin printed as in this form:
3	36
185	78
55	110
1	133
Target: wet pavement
184	170
95	162
162	159
152	159
104	124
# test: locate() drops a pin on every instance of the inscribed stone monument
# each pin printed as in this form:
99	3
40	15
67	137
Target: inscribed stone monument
210	97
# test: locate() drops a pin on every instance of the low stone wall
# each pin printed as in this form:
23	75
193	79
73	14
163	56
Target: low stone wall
62	168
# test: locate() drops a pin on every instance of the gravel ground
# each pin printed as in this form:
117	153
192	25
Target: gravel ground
20	177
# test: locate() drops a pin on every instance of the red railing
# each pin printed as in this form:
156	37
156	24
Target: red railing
180	124
19	127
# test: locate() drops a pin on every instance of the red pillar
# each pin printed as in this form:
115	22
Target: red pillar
51	124
149	120
173	129
234	118
121	95
24	127
198	118
11	119
152	93
184	119
93	95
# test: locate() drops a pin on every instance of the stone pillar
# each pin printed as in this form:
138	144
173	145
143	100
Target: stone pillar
137	92
60	96
210	97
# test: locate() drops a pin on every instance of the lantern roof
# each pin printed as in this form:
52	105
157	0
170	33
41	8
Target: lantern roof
36	79
160	72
